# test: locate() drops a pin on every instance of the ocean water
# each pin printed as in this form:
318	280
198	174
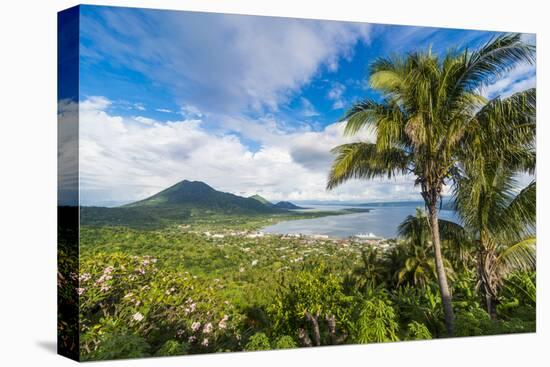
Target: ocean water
382	221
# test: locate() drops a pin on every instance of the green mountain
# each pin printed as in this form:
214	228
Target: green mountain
286	205
262	200
175	204
196	195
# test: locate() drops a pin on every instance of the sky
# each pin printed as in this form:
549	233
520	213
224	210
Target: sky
248	104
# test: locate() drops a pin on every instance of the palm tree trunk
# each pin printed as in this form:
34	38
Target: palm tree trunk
485	264
446	298
492	306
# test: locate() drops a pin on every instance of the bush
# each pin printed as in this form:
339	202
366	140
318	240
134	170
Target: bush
513	326
376	322
172	348
284	342
315	290
473	323
418	331
258	341
116	346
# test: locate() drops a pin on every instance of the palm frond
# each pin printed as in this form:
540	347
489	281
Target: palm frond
519	217
369	114
519	256
365	161
453	232
497	57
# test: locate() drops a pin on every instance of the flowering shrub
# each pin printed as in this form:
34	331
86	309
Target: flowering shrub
172	312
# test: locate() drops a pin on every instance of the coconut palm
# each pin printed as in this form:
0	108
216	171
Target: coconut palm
427	105
503	222
499	143
417	265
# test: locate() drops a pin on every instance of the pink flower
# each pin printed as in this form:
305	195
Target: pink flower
80	291
105	287
195	326
104	278
207	328
204	342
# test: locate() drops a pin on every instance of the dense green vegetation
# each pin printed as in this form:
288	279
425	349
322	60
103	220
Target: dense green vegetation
178	291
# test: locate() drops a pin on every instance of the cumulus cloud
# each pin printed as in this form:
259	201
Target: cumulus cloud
220	63
129	158
518	79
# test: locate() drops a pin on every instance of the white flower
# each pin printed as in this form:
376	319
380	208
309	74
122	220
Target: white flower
80	291
207	328
204	342
223	322
105	277
137	316
195	326
105	287
254	262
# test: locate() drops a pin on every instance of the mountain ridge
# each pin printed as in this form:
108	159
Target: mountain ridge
287	205
199	195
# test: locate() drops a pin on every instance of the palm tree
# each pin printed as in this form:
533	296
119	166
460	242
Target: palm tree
501	143
427	105
417	266
503	223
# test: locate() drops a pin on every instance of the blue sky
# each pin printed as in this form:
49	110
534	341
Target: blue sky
260	96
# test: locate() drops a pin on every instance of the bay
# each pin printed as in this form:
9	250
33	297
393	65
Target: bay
381	221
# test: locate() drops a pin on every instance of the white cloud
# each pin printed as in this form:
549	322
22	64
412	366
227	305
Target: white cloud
518	79
188	110
126	159
308	109
165	110
222	63
145	120
139	107
335	94
94	103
